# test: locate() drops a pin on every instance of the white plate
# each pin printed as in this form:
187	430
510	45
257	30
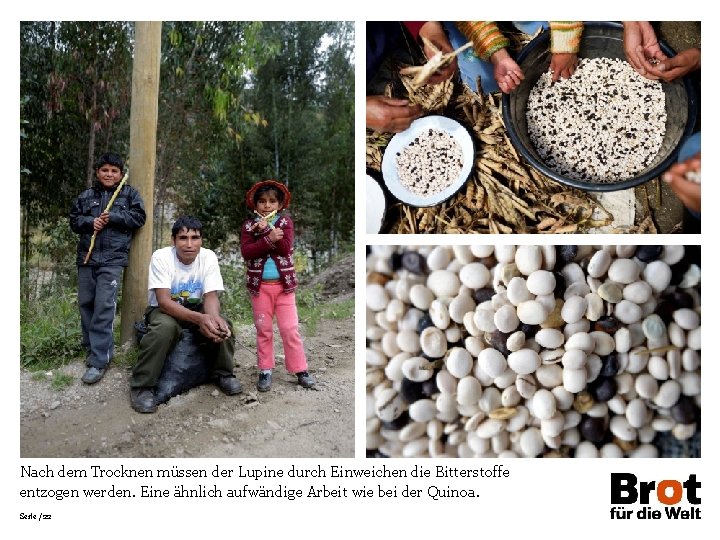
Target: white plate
374	205
401	140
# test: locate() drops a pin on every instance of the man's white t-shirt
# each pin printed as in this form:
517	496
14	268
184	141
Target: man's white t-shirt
187	282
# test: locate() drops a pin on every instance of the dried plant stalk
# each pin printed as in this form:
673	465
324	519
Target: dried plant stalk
421	74
107	209
504	193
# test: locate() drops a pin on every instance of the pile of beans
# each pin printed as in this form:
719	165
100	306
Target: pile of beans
429	163
531	351
606	123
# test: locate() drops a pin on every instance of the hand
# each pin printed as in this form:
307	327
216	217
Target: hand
222	326
642	47
563	65
686	190
678	66
506	72
433	32
390	115
260	225
101	221
276	234
214	328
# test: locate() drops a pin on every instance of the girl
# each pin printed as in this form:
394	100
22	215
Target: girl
266	244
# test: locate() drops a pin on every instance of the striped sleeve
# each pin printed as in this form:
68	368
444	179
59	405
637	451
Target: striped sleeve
565	36
485	36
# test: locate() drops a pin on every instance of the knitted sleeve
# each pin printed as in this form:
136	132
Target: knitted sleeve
485	36
284	246
565	36
253	246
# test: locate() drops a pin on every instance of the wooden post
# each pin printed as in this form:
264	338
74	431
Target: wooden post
143	131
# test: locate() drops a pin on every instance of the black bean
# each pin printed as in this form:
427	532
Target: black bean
529	329
489	261
374	454
399	423
665	310
593	429
396	261
566	254
603	389
498	340
681	299
610	365
414	262
424	322
678	270
683	412
411	391
560	285
483	295
648	253
429	387
607	324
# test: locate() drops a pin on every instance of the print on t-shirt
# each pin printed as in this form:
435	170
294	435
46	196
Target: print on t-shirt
187	294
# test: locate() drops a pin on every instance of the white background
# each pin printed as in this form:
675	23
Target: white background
540	499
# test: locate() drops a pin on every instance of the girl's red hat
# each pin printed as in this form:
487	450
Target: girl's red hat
250	196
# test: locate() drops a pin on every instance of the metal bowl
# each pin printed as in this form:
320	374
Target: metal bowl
600	39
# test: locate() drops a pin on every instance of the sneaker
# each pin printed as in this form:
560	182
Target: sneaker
305	379
93	375
264	382
143	400
229	385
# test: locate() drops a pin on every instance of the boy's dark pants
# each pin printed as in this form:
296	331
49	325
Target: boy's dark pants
97	293
163	334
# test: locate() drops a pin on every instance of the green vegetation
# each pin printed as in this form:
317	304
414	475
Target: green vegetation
61	381
126	358
309	318
50	332
239	102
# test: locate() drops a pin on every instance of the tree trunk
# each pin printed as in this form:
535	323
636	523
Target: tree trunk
93	113
275	131
91	140
143	135
26	251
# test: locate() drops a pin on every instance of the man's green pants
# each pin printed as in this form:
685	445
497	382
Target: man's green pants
163	334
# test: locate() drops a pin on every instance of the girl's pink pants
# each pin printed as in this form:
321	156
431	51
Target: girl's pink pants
272	301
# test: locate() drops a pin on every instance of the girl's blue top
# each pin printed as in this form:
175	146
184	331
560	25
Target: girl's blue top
270	270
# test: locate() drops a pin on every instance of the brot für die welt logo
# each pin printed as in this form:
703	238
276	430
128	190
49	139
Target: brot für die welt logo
681	499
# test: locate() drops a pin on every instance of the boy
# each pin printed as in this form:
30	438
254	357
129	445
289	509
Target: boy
98	279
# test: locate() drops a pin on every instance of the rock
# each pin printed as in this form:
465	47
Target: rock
54	405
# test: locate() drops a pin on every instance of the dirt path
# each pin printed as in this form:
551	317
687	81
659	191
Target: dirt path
288	421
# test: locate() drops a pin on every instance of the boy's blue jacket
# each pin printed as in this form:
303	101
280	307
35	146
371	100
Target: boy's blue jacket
113	242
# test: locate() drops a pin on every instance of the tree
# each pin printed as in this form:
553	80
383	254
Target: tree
73	81
239	102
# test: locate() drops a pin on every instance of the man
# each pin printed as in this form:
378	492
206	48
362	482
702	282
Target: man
183	286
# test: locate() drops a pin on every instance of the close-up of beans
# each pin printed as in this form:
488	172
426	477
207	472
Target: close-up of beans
532	351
